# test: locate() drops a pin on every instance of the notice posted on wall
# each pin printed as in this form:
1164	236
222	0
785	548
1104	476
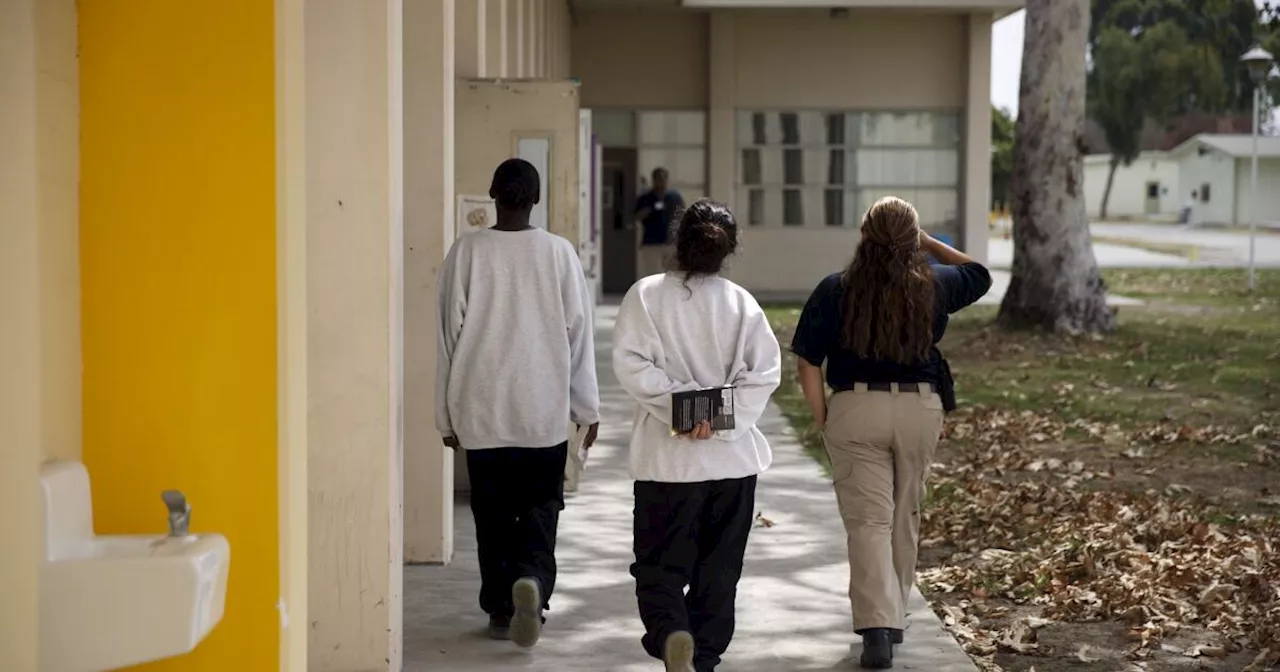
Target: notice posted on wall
474	212
710	404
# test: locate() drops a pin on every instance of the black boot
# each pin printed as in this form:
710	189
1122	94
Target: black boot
877	649
896	635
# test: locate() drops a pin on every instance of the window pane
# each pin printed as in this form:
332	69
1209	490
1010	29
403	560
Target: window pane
908	167
833	207
755	207
614	128
793	166
751	166
792	208
907	129
758	133
790	128
835	129
835	167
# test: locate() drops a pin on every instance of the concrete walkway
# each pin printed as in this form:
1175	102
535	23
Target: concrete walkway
793	613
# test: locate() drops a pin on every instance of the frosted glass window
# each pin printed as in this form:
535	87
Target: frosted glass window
825	167
687	129
614	128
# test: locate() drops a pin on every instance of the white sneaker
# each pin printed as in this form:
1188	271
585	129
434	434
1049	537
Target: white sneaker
677	652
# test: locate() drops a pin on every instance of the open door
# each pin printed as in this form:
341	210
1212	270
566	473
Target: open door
588	214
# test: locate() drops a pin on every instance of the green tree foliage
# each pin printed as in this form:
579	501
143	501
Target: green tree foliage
1002	123
1141	74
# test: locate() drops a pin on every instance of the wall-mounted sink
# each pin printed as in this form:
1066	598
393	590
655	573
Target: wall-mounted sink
111	601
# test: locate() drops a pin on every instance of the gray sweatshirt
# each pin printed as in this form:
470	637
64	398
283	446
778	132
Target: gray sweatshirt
673	336
515	358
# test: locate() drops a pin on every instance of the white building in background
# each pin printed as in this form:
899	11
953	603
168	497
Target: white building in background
1148	188
1215	167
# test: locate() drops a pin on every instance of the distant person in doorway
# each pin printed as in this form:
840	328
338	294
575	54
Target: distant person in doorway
1188	207
876	326
516	365
655	212
694	494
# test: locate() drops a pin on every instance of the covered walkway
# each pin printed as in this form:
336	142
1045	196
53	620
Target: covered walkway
793	613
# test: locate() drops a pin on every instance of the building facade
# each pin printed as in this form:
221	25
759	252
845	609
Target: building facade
223	223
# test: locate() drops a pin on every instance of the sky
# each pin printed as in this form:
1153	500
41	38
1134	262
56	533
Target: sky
1006	60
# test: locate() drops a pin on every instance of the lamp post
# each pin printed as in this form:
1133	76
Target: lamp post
1258	61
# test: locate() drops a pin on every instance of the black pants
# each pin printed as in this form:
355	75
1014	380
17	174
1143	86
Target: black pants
516	497
691	535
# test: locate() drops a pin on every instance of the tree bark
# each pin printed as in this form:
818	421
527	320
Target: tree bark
1106	193
1055	283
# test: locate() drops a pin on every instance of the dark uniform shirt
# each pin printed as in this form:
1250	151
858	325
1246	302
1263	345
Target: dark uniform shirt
657	224
817	337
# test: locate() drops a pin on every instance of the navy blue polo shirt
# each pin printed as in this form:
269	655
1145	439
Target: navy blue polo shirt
657	224
817	337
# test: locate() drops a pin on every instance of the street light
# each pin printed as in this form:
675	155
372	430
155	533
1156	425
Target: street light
1258	61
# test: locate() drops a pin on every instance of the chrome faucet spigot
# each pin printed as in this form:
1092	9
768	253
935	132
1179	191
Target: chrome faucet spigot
179	512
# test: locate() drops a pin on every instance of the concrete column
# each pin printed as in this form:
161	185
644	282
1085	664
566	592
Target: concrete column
977	139
516	32
20	344
354	292
540	39
470	36
429	232
496	39
722	152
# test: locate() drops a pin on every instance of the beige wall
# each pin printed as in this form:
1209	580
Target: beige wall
20	331
867	60
429	169
354	253
647	59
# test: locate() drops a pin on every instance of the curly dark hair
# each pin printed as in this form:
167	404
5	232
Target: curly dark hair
888	288
515	185
707	235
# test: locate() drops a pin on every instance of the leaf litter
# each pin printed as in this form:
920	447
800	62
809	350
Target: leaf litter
1036	531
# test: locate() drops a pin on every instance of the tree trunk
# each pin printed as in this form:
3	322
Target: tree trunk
1106	193
1055	283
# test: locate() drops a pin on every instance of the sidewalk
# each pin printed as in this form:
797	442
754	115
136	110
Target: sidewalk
793	613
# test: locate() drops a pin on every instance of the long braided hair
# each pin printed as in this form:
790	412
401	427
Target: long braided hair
888	288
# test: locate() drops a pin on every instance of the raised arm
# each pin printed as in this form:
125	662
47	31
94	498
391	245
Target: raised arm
759	374
584	388
636	351
451	307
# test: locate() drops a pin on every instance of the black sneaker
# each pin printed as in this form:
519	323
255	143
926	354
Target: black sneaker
499	627
526	625
877	649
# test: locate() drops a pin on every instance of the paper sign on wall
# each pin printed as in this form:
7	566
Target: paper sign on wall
474	212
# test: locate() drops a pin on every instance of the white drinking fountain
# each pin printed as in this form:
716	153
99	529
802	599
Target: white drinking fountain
112	601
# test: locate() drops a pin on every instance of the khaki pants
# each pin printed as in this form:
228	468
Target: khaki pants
650	259
881	445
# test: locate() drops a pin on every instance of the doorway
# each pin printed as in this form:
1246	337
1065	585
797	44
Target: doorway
1153	199
617	202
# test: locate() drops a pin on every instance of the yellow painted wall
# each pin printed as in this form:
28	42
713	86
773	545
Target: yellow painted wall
177	240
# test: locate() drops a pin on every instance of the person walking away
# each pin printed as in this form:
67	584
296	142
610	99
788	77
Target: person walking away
516	365
694	494
655	211
876	326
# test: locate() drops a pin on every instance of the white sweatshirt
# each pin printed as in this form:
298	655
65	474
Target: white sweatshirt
515	358
672	338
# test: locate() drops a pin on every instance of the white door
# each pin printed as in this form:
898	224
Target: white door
588	213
